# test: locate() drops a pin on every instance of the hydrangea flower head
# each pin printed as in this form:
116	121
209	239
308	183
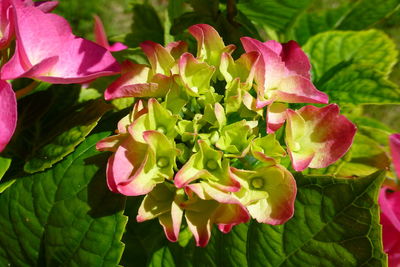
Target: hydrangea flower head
194	144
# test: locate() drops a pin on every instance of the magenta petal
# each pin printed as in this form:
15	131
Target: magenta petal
394	141
117	47
390	220
8	113
295	59
6	24
79	60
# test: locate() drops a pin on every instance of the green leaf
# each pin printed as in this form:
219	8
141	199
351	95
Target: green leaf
65	216
141	239
175	9
273	13
367	12
146	26
366	157
162	258
369	48
328	229
76	127
4	165
357	15
360	85
310	24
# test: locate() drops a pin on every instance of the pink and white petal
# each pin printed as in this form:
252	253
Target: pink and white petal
394	141
297	89
295	59
8	113
276	116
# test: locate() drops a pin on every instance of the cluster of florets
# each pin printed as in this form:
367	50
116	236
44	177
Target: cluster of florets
195	143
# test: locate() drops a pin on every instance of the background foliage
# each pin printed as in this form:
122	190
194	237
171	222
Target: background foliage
55	208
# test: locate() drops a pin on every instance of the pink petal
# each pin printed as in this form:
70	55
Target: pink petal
79	60
394	141
8	113
99	33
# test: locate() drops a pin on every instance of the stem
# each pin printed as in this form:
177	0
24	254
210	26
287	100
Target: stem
24	91
231	11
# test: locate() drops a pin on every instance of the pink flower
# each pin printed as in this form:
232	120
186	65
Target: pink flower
282	73
47	50
8	113
101	37
390	219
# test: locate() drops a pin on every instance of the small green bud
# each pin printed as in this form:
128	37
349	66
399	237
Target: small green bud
211	165
161	129
257	183
162	162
